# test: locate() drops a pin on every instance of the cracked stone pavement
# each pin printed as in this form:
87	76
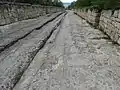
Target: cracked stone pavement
76	57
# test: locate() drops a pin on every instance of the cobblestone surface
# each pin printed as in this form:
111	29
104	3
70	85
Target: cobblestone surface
76	57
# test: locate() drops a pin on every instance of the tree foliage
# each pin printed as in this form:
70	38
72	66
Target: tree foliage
57	3
72	5
99	4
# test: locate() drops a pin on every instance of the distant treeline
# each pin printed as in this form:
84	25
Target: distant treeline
57	3
99	4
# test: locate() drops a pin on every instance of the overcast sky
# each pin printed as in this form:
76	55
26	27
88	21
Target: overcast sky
68	1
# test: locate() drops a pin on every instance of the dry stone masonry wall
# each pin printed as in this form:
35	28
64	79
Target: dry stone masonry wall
10	13
110	23
88	15
106	20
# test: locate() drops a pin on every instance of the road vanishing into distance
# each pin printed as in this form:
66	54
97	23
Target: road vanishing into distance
58	52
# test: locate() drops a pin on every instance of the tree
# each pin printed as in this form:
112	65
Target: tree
99	4
57	3
72	5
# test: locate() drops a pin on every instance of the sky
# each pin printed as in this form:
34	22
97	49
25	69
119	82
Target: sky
68	1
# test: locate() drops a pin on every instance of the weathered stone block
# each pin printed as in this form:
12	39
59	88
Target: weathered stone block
116	12
119	14
107	13
118	40
116	37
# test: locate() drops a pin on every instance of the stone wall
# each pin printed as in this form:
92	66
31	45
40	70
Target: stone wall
106	20
89	15
10	13
110	23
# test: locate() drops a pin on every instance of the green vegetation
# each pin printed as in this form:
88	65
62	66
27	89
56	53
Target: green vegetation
73	5
57	3
98	4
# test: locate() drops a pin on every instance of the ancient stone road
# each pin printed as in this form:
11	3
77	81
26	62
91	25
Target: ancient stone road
76	57
63	52
17	56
